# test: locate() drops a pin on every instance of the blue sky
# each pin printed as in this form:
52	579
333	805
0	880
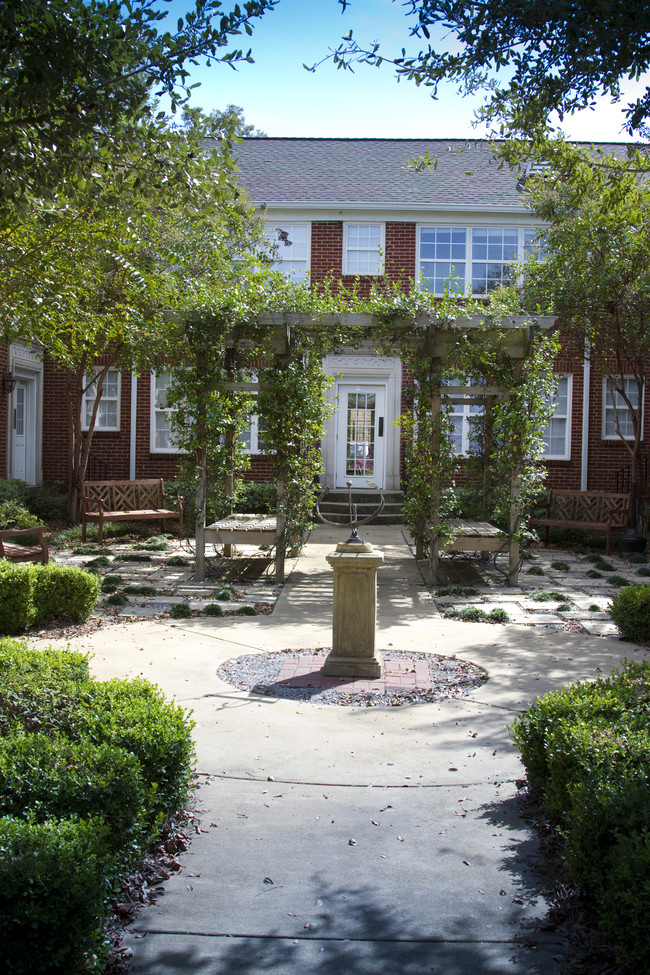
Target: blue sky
282	99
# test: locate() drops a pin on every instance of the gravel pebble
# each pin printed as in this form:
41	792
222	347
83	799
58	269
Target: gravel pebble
258	674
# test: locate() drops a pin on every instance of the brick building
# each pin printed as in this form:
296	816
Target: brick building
350	209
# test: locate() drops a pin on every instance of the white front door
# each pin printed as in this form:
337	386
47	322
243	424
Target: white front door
23	432
361	435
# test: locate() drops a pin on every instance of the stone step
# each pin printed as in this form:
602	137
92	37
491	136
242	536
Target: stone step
335	506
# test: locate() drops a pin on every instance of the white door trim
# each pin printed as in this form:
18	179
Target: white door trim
370	370
27	366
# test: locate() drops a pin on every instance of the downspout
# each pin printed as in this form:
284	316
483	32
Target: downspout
133	425
586	387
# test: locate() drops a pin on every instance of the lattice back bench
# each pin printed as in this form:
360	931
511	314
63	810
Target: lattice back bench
139	500
591	510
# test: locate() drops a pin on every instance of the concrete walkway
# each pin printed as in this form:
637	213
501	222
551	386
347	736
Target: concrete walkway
348	840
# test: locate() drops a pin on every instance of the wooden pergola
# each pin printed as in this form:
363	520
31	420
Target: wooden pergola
433	342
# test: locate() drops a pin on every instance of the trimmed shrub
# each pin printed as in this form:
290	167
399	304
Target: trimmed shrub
599	703
134	714
53	895
62	779
213	609
61	591
16	601
41	690
625	900
246	611
560	566
181	611
36	593
643	571
587	746
630	610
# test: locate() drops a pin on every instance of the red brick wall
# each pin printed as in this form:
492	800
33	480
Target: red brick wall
605	457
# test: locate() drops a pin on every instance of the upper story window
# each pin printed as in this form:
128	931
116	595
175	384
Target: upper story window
557	432
616	414
363	246
453	258
162	440
443	256
108	412
291	245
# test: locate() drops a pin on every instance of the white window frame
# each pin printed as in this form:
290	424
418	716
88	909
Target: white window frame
465	408
88	399
348	249
622	409
153	412
567	418
466	266
255	435
283	254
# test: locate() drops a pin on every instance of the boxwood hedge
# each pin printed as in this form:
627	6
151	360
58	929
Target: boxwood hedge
88	770
587	746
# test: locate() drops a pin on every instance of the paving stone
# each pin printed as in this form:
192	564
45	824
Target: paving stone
542	618
600	629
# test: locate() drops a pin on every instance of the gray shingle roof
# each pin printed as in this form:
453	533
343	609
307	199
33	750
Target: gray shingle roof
293	171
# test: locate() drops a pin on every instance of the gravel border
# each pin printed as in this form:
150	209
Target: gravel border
257	673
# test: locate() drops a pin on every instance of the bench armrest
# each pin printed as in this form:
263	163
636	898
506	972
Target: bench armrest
12	532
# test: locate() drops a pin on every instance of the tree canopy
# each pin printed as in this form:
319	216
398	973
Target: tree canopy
596	275
79	81
534	59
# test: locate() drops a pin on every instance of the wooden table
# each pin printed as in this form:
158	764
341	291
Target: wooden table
252	529
466	535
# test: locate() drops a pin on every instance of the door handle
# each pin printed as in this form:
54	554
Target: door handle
380	426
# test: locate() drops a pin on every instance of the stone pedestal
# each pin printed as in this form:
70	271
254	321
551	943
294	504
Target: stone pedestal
355	611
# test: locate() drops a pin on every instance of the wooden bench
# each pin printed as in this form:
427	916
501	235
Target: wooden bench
140	500
17	552
591	510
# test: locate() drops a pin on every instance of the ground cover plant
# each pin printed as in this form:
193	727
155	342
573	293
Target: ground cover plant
89	771
586	747
474	614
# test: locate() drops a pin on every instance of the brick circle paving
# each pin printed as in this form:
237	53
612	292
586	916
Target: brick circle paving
407	678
